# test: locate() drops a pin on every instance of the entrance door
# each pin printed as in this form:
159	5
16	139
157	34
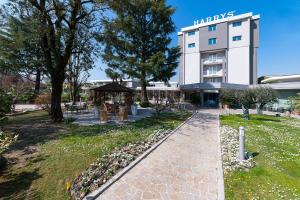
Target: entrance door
211	100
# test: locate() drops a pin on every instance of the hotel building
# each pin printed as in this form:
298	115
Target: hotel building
220	52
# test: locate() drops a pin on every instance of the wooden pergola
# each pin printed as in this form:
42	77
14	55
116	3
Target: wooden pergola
114	88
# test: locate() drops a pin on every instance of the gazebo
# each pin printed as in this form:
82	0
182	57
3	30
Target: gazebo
113	89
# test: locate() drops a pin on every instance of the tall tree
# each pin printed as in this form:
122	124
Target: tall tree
59	23
137	38
21	53
82	60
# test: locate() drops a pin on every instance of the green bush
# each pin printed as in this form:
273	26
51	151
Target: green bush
145	104
25	97
6	103
295	103
65	97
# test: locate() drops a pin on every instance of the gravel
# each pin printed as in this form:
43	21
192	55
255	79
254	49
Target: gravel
230	151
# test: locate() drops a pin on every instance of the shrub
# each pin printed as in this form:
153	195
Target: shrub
228	97
263	96
6	103
295	103
145	104
65	97
25	97
44	100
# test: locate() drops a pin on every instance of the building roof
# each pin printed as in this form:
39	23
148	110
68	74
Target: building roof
227	19
282	79
112	87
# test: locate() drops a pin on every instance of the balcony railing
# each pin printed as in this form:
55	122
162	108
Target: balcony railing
209	61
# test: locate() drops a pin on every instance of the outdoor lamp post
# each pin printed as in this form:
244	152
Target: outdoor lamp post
242	143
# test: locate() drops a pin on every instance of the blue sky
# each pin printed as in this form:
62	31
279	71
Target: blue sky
279	50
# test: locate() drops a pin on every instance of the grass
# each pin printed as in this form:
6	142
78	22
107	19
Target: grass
63	159
29	116
277	174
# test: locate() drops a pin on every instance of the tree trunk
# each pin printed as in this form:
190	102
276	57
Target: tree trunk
57	81
37	82
75	92
144	95
246	115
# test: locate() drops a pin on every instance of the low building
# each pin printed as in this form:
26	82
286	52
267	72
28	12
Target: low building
155	90
286	86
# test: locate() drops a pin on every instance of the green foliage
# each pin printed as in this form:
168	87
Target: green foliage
6	103
136	41
228	97
65	97
295	102
25	97
145	104
264	95
247	98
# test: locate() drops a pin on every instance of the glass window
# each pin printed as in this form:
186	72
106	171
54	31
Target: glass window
212	28
212	41
237	38
235	24
213	57
191	45
213	80
191	33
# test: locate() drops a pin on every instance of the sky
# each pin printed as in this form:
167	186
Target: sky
279	44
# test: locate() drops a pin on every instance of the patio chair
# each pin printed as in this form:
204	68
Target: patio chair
104	115
122	114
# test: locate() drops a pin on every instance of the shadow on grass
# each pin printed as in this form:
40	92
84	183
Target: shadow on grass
12	187
265	118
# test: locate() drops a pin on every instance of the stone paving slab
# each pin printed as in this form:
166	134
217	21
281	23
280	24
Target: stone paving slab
186	166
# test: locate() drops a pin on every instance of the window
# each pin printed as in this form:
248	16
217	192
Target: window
213	80
212	28
235	24
212	41
191	33
213	70
237	38
212	57
191	45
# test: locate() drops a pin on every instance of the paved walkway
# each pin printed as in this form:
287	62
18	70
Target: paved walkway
186	166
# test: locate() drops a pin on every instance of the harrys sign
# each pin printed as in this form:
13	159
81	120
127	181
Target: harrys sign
216	17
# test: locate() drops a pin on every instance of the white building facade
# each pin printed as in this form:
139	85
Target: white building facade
221	51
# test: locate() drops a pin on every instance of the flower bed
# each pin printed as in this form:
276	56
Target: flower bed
107	166
230	151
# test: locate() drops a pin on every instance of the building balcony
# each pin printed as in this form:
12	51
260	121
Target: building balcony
213	62
219	74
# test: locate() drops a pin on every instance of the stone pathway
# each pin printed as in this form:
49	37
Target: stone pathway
186	166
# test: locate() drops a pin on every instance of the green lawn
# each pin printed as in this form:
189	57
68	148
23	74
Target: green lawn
63	158
277	174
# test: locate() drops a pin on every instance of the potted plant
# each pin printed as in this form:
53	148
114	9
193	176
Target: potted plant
134	109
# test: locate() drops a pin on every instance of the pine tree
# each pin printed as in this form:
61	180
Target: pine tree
137	38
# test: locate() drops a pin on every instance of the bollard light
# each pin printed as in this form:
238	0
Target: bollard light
242	143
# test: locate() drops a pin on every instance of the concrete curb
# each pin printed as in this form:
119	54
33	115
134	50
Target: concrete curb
93	195
220	175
